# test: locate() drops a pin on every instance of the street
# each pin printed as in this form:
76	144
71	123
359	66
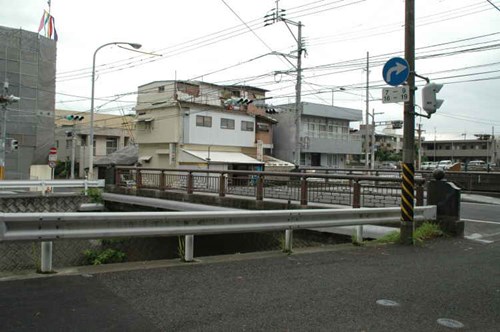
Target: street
334	289
482	221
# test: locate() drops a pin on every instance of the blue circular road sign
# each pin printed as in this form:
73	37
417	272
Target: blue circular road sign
396	71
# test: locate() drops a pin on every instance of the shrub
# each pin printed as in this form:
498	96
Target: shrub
105	256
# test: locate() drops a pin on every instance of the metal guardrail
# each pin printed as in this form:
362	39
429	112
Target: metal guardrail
46	184
89	225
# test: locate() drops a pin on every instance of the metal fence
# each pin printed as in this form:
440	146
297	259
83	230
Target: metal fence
355	190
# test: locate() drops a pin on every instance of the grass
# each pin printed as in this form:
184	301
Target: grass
426	231
181	248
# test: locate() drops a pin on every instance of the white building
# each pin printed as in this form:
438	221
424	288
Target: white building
184	124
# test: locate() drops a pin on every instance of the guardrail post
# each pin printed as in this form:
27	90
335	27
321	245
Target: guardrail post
420	194
356	194
190	183
188	248
162	181
86	186
46	257
288	240
138	178
222	185
259	195
303	191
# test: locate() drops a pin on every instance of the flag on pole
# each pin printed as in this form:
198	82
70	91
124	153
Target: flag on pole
47	24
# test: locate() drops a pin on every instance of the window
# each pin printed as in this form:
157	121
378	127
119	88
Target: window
68	143
161	88
203	121
111	145
246	126
262	126
227	123
83	142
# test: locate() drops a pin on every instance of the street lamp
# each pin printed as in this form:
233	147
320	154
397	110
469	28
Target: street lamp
91	132
339	89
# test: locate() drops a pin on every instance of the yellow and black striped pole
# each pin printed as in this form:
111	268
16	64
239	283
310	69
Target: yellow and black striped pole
407	202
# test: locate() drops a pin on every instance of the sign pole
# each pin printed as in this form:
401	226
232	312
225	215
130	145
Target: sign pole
408	183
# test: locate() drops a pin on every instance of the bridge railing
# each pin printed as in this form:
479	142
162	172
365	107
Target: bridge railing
45	186
355	190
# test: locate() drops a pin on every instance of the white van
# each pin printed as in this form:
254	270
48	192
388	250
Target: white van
476	165
444	164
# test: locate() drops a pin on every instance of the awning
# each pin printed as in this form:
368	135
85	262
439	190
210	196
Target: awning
145	158
222	157
144	120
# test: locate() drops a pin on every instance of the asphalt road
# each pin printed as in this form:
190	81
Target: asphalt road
477	211
331	290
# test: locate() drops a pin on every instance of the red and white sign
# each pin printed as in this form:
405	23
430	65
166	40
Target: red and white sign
53	154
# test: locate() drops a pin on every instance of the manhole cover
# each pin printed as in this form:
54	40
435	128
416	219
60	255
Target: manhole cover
388	303
451	323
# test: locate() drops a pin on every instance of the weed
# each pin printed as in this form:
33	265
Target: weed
106	256
426	231
181	248
392	237
95	195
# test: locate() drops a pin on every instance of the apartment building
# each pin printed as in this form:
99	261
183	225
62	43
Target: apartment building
191	124
484	147
325	137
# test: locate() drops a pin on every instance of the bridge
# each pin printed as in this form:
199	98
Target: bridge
296	200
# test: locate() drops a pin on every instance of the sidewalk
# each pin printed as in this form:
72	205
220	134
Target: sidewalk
325	289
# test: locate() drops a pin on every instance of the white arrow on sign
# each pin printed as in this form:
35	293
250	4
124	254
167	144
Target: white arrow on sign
398	68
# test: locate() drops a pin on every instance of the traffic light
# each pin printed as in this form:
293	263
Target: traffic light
429	102
271	111
14	145
234	103
74	117
397	124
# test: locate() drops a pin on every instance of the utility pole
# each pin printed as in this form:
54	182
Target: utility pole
434	144
73	148
277	15
408	183
367	138
298	90
419	132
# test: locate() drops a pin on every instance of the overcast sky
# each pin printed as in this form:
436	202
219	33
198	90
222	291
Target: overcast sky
457	44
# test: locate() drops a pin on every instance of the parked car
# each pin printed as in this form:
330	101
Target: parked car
428	165
388	165
444	164
476	165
